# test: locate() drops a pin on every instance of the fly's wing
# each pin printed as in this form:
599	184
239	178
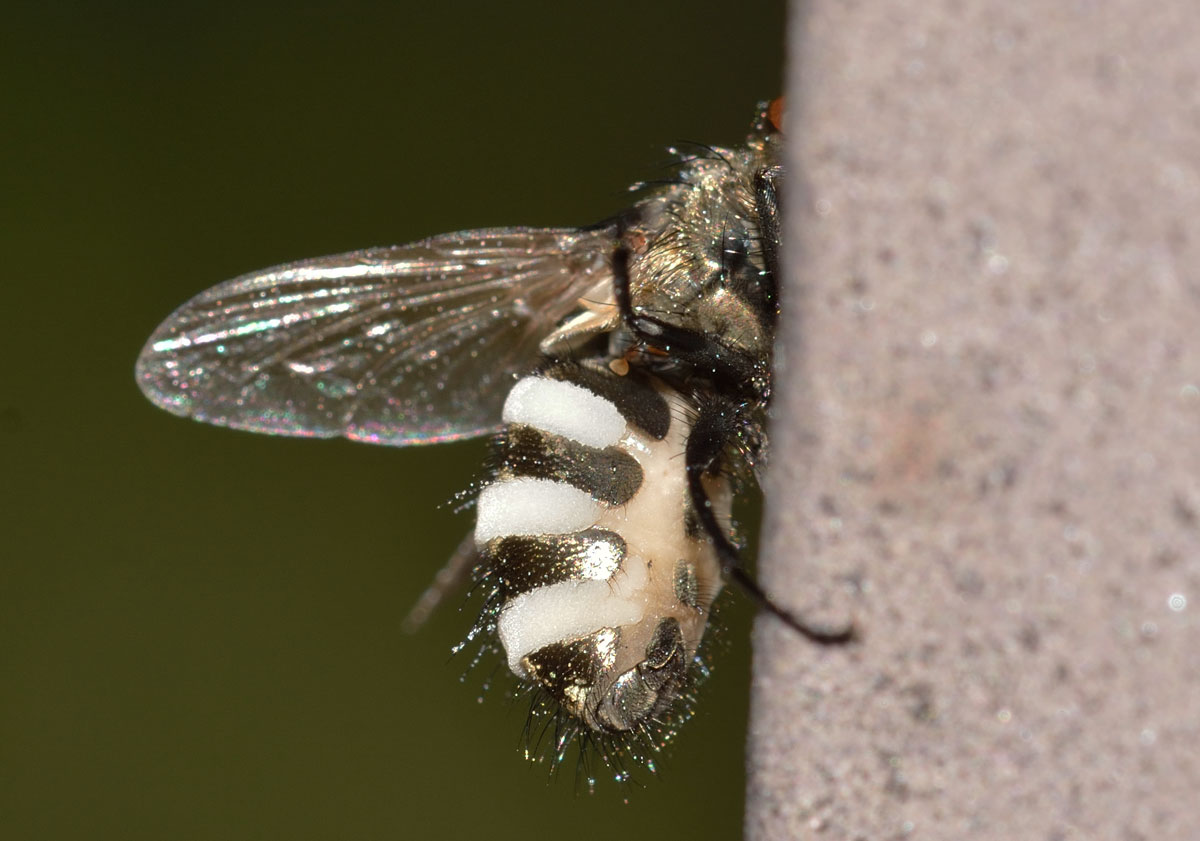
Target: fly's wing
401	345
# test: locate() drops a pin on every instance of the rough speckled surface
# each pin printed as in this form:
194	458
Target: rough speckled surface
992	381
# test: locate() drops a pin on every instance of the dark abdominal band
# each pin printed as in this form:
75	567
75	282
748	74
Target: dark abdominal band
521	563
609	475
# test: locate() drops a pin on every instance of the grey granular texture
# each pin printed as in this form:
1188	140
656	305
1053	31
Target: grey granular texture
989	447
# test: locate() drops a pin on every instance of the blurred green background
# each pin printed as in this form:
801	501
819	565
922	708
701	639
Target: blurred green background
199	629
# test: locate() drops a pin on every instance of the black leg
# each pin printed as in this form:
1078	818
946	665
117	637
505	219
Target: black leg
706	442
766	208
453	576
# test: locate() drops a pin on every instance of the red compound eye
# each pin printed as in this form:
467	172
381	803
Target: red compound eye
775	113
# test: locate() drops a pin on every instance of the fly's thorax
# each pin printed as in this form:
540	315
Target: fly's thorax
604	585
736	319
696	250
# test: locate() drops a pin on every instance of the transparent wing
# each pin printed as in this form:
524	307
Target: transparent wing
401	345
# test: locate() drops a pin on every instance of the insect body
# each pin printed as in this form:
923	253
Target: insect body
603	582
628	366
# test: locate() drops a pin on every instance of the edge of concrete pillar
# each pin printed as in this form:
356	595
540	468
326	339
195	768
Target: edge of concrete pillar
987	437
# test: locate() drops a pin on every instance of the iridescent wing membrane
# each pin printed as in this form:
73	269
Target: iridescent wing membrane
400	345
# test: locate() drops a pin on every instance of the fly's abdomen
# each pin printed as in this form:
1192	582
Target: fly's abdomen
604	589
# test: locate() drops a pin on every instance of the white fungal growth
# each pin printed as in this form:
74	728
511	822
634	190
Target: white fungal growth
533	506
566	409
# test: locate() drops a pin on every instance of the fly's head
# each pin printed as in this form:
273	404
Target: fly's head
703	252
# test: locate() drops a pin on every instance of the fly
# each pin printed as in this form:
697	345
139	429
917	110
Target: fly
625	371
